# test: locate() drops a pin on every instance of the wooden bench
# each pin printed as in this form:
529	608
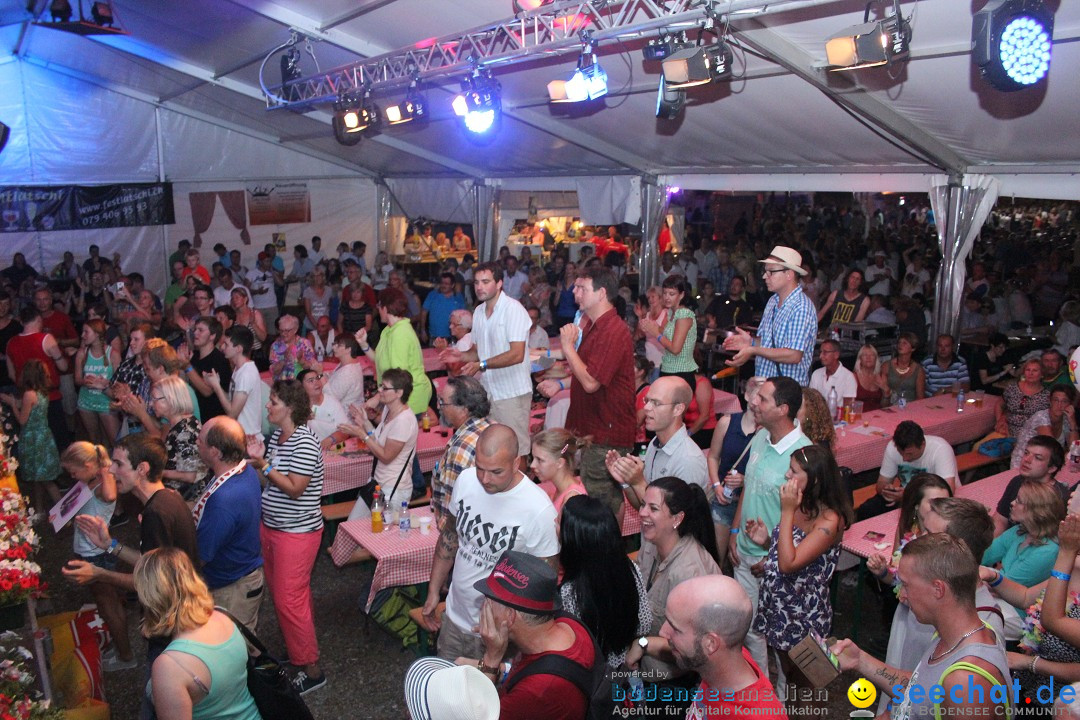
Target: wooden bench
969	462
863	494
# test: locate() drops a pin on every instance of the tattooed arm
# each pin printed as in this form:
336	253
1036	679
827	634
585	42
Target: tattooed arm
445	552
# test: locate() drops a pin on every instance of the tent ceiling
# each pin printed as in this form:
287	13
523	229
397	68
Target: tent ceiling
203	57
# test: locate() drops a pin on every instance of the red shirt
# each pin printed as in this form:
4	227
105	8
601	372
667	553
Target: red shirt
59	325
607	414
693	412
23	348
754	702
549	697
639	404
199	272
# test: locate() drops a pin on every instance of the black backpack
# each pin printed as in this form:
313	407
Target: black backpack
597	683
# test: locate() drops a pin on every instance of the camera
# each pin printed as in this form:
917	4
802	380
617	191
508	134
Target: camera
117	288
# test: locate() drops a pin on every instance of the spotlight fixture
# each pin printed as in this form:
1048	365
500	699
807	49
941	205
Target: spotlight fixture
353	119
103	14
698	65
479	104
669	103
521	6
1011	43
588	82
870	43
413	107
659	48
60	10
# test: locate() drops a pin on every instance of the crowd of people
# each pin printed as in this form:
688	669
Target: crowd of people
531	591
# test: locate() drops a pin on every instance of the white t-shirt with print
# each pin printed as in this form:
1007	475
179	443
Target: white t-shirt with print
521	519
937	458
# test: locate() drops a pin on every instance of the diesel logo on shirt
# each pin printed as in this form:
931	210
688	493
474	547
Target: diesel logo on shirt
486	536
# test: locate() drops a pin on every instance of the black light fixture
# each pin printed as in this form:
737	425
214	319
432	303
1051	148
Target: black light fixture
103	14
479	105
413	107
659	48
60	10
698	65
521	6
870	43
1011	43
354	118
669	103
588	81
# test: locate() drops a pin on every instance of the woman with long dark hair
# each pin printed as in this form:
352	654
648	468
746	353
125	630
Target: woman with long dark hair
815	510
677	543
601	585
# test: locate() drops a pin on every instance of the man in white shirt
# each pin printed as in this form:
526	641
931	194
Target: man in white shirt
514	280
908	454
878	275
326	412
260	283
493	508
316	255
538	337
500	355
832	374
243	402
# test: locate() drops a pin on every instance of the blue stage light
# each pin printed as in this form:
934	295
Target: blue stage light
1012	41
1025	50
479	104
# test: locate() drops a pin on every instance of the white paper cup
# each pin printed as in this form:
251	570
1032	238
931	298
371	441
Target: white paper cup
425	525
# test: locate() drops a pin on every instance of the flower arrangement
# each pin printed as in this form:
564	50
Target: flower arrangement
20	576
8	463
19	698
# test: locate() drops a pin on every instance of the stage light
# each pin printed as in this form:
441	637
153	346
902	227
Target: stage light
588	82
413	107
697	65
669	103
521	6
1011	43
103	14
353	119
659	48
870	43
479	104
60	10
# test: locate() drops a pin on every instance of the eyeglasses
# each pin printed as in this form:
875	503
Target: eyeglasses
443	403
159	398
773	272
656	403
386	388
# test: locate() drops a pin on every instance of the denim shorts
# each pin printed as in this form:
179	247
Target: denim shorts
725	514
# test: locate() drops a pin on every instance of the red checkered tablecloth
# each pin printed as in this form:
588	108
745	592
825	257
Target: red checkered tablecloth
630	522
400	559
987	491
353	469
936	416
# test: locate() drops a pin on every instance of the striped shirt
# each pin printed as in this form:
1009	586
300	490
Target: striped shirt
299	454
509	322
938	378
791	325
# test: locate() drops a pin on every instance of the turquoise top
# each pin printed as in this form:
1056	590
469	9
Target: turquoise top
1026	564
765	467
684	360
229	698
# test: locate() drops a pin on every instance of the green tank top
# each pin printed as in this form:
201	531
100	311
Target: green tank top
684	360
228	698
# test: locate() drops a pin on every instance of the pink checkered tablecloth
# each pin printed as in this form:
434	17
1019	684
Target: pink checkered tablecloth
350	470
936	416
987	491
400	559
630	522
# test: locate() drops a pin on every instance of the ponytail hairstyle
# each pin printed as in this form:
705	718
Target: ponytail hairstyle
683	497
81	453
561	443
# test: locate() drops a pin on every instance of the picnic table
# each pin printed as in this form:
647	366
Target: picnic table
352	468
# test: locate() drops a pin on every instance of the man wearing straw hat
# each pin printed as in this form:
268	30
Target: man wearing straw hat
784	344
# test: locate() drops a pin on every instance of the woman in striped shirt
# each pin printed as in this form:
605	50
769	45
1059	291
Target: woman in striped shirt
292	523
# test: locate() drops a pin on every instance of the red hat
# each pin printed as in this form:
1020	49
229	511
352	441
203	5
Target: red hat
521	581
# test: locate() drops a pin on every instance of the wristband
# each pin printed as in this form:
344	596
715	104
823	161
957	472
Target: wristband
1031	667
267	469
483	365
734	531
366	349
1060	575
189	369
660	339
997	580
549	352
753	342
561	386
370	433
113	548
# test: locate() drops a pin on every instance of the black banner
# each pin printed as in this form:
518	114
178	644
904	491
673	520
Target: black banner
32	208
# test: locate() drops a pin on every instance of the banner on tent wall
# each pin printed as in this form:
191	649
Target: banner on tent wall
278	204
26	208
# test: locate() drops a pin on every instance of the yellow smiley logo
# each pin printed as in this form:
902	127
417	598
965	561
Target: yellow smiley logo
862	693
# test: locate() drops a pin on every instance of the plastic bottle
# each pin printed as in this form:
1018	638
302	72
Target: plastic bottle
833	402
388	520
404	521
377	511
960	400
1074	456
901	403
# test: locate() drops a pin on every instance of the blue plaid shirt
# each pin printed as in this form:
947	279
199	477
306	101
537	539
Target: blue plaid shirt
791	325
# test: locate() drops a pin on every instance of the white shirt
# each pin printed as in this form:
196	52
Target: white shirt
878	279
326	417
937	458
465	343
509	322
245	379
538	338
843	380
521	518
258	280
404	429
513	285
347	384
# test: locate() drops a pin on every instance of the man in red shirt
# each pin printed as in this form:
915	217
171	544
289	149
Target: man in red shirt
707	619
602	383
59	325
33	344
520	608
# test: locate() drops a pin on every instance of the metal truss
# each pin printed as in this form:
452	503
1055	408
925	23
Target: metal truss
548	30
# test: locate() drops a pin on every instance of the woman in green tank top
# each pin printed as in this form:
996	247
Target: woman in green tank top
679	335
95	363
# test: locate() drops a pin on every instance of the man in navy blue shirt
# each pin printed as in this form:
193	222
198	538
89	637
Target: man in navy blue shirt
439	303
227	521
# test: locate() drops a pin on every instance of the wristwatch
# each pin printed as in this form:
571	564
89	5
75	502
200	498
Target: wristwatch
643	643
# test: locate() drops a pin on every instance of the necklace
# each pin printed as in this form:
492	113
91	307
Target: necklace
963	637
903	371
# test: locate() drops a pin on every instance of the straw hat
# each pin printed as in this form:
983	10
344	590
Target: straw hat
789	258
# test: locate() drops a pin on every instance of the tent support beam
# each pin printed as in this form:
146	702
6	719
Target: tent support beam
842	89
305	26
